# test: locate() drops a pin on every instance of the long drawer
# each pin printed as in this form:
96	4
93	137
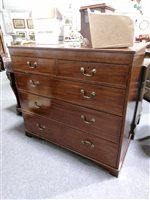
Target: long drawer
100	72
97	97
80	142
34	65
101	124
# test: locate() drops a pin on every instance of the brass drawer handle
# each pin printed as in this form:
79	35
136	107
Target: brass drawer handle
40	127
37	105
83	71
29	63
32	65
92	94
87	142
91	121
34	83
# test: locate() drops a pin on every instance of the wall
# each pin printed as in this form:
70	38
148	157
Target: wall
23	8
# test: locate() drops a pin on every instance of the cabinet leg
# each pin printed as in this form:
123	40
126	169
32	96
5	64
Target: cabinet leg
132	136
11	78
32	135
28	134
18	111
114	173
139	119
132	133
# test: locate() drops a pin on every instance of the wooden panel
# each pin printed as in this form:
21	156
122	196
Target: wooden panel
101	124
86	144
124	55
99	72
34	65
101	98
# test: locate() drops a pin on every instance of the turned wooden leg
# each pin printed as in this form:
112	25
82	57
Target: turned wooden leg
11	78
132	136
1	64
132	133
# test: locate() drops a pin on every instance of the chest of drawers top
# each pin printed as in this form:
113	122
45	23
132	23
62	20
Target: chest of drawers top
124	55
78	63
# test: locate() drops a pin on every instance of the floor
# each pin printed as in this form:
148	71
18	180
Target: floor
35	169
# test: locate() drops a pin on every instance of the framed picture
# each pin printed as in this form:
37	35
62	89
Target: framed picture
19	23
30	23
32	35
68	21
21	34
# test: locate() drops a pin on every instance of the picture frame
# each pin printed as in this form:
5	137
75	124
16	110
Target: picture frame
32	35
68	21
19	23
29	23
22	34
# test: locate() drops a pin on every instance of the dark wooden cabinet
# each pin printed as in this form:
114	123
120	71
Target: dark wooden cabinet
84	100
5	64
2	51
147	84
11	77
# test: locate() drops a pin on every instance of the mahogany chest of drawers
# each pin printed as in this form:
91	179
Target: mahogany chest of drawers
80	99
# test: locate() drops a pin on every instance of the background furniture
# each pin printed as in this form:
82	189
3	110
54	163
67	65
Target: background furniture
1	64
141	94
147	85
2	51
5	64
84	100
11	77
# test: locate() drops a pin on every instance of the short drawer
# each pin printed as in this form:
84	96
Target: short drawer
99	72
103	125
96	97
30	64
80	142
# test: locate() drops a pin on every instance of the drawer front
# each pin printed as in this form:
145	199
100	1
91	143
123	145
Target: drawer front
99	72
98	97
80	142
101	124
34	65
